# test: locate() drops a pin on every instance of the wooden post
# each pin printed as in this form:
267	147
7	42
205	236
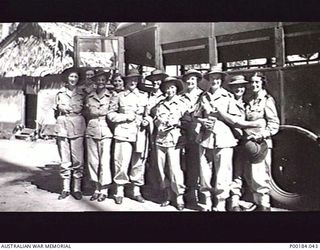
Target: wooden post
280	62
126	68
282	98
76	52
158	51
279	45
103	45
213	50
121	58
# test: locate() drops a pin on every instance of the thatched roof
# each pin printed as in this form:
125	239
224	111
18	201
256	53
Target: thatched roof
38	49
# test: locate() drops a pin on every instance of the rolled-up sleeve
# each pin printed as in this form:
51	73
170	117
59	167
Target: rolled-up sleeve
272	119
113	114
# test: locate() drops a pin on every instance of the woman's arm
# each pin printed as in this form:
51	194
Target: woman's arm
240	122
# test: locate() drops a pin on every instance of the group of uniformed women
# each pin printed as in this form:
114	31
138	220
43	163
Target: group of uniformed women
206	141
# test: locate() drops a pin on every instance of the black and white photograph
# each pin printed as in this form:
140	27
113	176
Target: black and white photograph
210	118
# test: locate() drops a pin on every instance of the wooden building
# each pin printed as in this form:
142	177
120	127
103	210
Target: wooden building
30	60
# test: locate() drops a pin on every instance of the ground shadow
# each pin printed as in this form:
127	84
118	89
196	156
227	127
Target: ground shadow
46	178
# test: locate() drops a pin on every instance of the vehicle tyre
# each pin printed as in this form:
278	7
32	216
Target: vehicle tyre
295	169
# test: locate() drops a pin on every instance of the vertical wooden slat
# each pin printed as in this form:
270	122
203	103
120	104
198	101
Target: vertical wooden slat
280	62
76	52
121	55
282	98
103	45
126	68
158	51
213	50
279	45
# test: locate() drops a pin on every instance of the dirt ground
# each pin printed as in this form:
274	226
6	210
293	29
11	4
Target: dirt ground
30	182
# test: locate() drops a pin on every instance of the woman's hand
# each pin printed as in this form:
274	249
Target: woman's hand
144	123
131	117
255	137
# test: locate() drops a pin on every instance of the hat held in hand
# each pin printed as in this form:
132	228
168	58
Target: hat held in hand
256	152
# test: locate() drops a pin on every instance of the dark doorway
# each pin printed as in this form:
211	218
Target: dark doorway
31	111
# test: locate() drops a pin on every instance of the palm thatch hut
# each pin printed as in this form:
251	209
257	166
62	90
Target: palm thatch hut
38	49
31	59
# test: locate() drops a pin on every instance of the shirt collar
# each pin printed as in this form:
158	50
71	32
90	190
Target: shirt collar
260	95
174	99
219	92
156	94
104	93
135	91
69	92
195	92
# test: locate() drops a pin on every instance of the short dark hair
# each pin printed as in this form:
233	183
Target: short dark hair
261	75
115	75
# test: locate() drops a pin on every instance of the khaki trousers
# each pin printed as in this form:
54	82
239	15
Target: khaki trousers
259	180
99	151
175	180
257	177
71	154
220	173
124	156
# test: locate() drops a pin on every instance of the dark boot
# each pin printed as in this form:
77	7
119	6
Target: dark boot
77	189
66	189
180	202
166	198
63	195
118	197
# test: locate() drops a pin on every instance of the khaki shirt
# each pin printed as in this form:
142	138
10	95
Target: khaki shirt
98	107
87	86
167	119
127	102
154	99
69	104
221	135
263	106
189	123
238	132
191	99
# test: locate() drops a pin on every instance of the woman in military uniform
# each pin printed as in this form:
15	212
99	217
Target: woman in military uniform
99	136
216	141
129	115
190	156
261	105
70	129
237	86
167	119
117	82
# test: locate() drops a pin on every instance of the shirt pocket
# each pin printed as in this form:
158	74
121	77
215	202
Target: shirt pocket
93	108
91	129
76	102
105	130
79	125
255	113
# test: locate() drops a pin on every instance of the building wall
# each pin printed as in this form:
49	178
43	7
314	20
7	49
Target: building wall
12	110
45	112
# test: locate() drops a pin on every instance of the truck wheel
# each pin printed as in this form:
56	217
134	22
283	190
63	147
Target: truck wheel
295	169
